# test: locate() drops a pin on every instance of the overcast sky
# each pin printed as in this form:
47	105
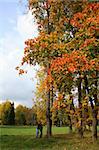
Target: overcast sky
15	27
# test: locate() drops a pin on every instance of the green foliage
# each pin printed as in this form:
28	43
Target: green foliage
25	116
7	114
21	115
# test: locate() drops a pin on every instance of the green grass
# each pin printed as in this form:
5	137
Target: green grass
23	138
29	130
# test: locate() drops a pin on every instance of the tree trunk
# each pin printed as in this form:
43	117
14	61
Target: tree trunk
70	124
48	113
48	117
51	98
94	125
94	111
80	130
71	108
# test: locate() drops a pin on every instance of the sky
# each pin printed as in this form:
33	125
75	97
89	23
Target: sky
16	25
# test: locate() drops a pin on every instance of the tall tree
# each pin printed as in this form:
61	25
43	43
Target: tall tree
84	46
55	26
52	23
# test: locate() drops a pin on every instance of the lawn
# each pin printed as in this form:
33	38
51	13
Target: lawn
23	138
29	130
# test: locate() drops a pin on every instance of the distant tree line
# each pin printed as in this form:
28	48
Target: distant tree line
21	115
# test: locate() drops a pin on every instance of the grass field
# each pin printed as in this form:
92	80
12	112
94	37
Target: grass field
23	138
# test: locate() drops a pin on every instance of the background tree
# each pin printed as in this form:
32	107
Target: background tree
7	113
12	115
30	116
20	115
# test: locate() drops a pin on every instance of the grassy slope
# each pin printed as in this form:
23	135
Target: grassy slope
23	138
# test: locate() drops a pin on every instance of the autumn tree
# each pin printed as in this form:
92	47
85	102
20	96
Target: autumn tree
82	58
57	39
87	24
52	19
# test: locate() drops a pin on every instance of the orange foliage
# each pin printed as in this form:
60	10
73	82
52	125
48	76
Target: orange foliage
90	15
73	62
79	57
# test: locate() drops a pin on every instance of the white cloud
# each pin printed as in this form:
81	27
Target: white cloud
26	26
11	85
18	89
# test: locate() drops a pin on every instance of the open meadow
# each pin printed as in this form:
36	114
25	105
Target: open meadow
23	138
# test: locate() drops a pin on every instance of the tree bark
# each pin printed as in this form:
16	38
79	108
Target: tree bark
49	122
94	125
48	103
52	97
70	124
71	108
80	130
48	113
94	111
